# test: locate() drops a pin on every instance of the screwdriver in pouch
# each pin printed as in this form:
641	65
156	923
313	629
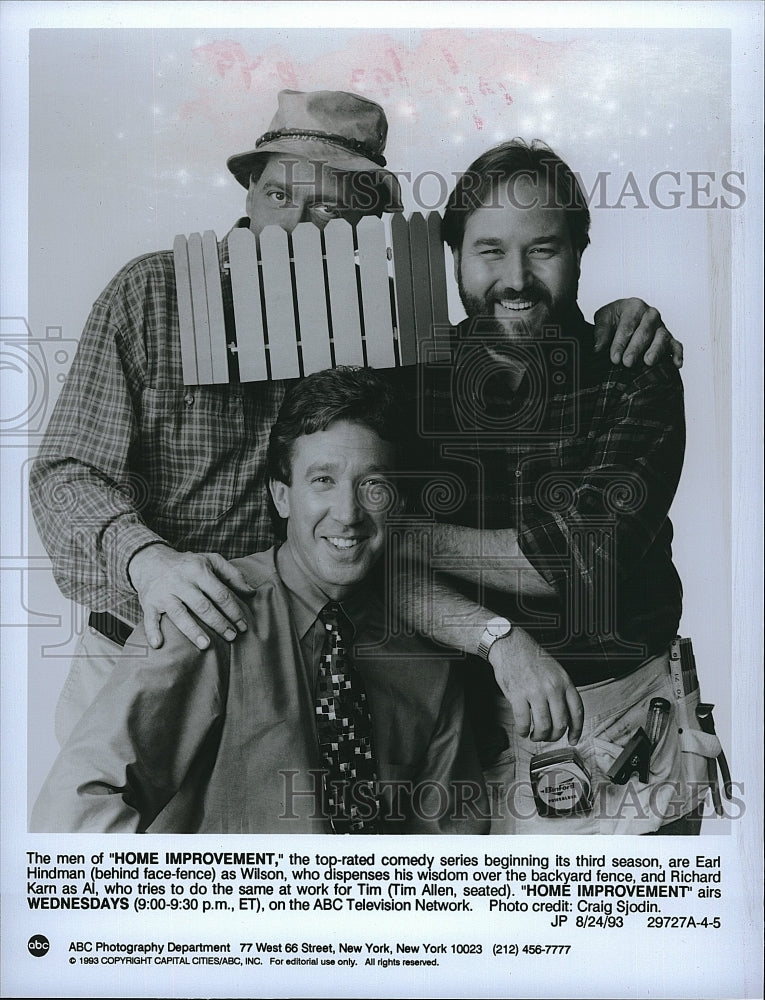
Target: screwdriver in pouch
656	720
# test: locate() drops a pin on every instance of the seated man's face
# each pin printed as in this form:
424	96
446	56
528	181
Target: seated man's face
337	503
294	190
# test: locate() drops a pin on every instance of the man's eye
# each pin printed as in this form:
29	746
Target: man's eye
278	197
491	252
543	252
327	211
321	481
377	494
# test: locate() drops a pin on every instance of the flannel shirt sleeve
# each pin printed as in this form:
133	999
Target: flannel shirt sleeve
589	528
84	495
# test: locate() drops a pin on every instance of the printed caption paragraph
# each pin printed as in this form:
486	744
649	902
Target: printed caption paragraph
535	899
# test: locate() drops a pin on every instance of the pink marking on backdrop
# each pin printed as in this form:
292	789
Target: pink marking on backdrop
396	62
421	81
288	75
224	57
451	62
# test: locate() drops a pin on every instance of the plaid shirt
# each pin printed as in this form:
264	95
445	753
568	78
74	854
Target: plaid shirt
583	460
132	457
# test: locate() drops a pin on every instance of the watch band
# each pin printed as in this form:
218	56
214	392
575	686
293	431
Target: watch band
496	628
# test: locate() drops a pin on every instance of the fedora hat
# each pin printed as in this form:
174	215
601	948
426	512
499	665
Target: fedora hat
343	130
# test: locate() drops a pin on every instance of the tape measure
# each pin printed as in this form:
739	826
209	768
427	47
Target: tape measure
561	783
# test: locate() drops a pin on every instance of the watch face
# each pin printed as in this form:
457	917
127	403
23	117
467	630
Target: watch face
498	627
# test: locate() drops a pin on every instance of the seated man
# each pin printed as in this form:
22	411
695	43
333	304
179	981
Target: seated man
315	721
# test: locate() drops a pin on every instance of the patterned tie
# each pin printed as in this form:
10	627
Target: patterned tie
345	732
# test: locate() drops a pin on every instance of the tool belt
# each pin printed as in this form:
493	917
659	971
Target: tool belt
695	721
647	756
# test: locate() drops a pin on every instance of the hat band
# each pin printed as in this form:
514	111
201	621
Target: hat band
352	145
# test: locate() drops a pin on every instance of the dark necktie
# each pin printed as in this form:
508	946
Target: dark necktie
345	732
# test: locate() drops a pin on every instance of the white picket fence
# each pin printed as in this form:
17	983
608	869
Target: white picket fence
365	295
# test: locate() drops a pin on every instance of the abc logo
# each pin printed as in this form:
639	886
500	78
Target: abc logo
38	945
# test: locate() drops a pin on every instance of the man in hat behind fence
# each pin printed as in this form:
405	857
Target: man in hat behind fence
144	489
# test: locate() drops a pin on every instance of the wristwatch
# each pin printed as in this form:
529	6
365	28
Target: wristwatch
496	628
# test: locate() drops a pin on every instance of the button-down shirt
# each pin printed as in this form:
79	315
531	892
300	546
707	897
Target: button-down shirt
582	459
224	740
131	457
